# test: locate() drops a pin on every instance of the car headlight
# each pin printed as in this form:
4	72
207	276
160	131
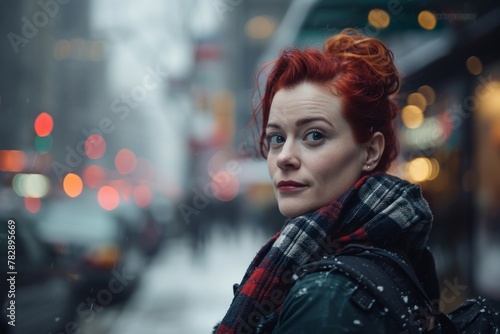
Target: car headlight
104	256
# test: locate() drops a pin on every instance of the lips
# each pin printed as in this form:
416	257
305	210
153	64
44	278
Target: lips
290	185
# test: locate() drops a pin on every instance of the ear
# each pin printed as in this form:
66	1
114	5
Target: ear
374	149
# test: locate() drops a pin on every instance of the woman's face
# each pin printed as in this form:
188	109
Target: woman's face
313	157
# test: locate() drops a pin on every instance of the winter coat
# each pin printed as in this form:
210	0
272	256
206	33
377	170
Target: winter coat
320	303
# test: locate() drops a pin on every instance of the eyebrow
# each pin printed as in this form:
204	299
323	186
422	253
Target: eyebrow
301	122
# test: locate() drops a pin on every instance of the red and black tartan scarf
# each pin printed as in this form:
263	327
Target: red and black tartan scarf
379	210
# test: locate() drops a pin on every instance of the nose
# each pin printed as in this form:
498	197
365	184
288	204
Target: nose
287	159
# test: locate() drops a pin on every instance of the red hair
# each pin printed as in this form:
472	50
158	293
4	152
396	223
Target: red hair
358	69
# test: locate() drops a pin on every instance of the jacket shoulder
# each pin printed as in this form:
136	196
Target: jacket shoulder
324	302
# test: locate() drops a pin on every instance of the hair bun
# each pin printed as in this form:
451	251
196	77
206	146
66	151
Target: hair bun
353	49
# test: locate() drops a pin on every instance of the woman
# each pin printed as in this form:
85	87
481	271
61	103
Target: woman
328	136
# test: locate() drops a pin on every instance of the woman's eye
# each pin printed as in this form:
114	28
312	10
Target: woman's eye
314	136
275	139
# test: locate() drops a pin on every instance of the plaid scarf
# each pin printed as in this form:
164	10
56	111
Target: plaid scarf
380	210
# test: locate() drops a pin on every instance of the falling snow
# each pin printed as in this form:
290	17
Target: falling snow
301	292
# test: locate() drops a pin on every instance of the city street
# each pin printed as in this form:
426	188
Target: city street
138	166
180	292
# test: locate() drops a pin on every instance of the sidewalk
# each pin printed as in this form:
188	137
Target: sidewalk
183	294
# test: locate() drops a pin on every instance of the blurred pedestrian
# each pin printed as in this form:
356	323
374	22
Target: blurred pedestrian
328	136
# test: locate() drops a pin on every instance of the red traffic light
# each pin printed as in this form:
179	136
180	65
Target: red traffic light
43	124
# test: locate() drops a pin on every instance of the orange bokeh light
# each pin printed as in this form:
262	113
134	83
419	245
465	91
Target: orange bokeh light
12	161
108	198
142	196
43	124
125	161
72	185
93	176
33	205
95	146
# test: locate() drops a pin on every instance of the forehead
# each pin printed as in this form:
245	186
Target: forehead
305	99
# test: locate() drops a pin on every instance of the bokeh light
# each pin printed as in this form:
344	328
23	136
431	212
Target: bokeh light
62	50
12	160
31	185
94	176
43	124
95	146
488	100
495	133
142	196
419	170
412	116
125	161
417	99
97	50
434	170
33	205
427	20
79	49
428	93
108	198
260	27
225	186
72	185
474	65
124	188
379	18
43	144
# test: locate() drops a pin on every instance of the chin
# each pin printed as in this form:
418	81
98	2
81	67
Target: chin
291	211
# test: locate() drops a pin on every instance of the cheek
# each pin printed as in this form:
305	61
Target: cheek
270	165
324	165
335	167
324	172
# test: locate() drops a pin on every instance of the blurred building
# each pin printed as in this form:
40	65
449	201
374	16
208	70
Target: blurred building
52	77
85	93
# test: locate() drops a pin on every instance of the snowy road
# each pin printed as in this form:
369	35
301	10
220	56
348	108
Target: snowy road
182	293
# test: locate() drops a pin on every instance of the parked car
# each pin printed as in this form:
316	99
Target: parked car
43	293
94	243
